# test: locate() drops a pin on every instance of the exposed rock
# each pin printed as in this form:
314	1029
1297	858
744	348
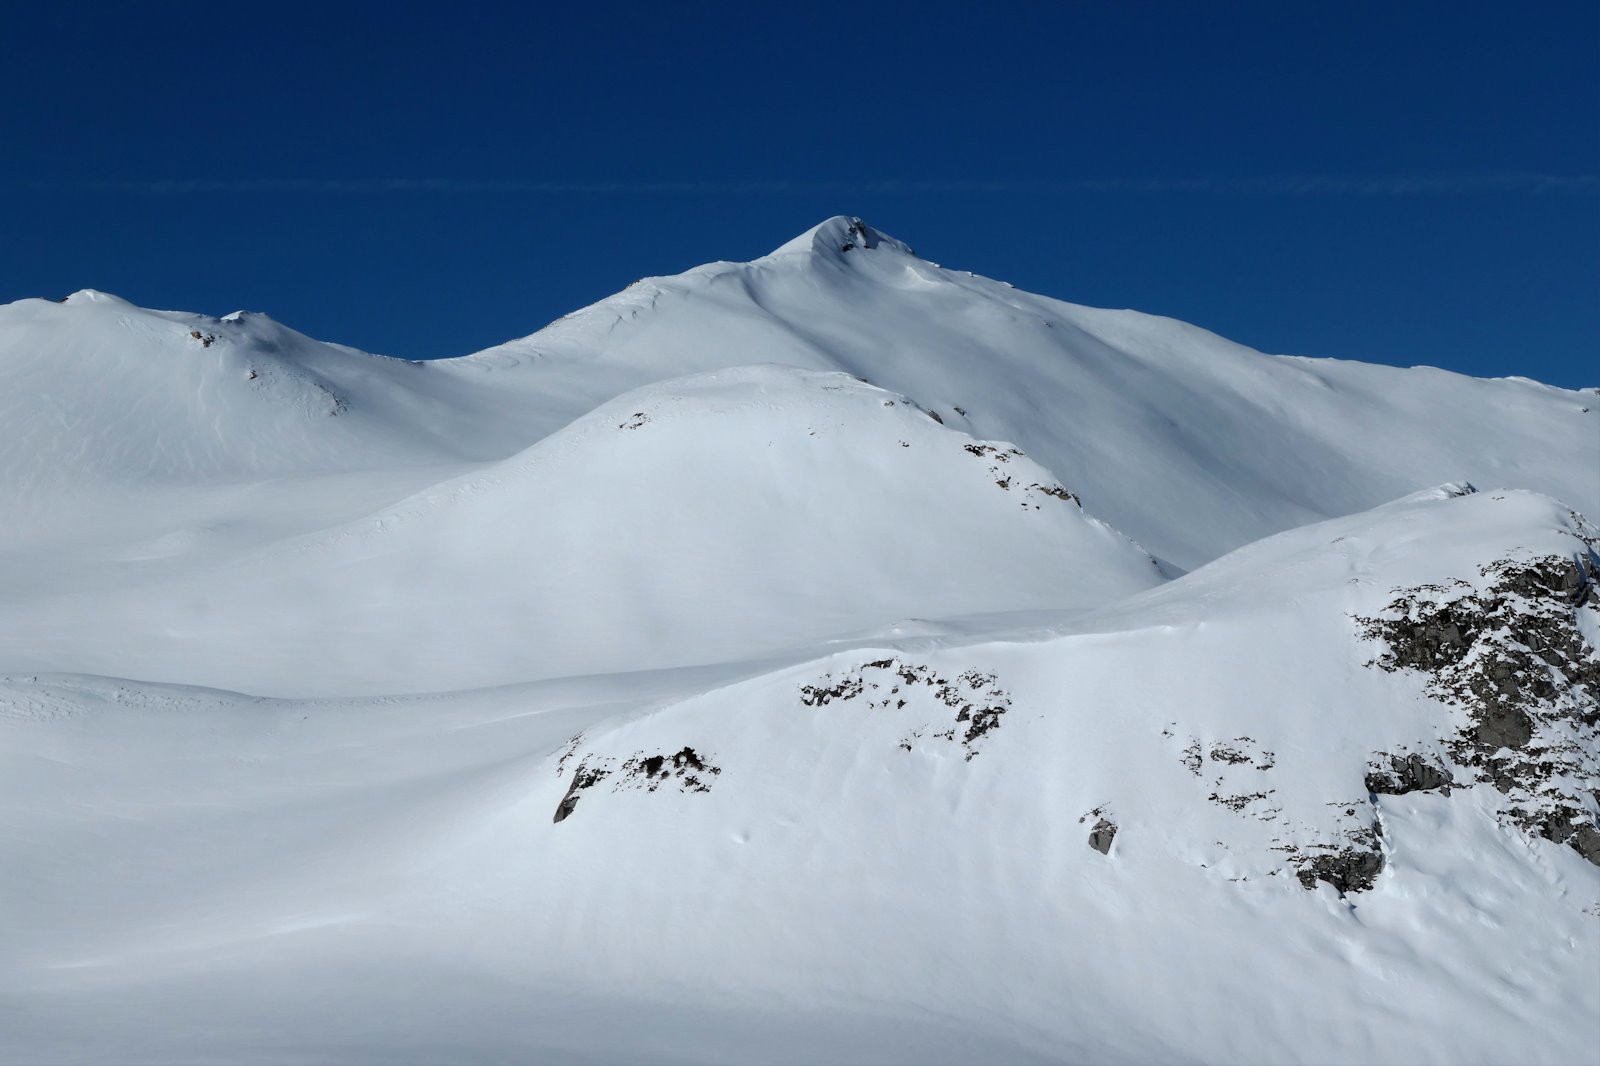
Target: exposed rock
1349	870
820	695
860	236
1568	825
692	773
582	778
1101	836
889	684
1411	773
1513	659
686	768
1058	491
1351	862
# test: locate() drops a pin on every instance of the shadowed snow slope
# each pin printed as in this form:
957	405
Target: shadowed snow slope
882	855
699	520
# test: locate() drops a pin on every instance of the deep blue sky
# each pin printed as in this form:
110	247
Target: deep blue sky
1398	182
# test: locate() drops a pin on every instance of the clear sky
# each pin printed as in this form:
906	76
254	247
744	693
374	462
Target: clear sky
1399	182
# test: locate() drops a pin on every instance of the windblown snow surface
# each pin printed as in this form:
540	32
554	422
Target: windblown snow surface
832	657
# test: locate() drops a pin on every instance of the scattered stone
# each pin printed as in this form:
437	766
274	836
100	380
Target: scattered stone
1239	802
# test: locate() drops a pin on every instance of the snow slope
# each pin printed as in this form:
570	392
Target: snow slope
705	519
1189	443
795	864
123	424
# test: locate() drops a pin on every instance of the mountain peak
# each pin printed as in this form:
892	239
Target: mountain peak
841	235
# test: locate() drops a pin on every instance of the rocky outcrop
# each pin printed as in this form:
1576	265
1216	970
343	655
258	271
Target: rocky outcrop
1353	868
978	703
1510	657
584	777
685	768
1398	775
1101	836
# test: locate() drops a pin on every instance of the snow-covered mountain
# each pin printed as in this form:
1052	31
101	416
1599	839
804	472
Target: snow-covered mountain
1189	443
833	657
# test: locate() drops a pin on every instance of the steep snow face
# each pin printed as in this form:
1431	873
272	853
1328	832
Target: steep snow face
1156	835
700	520
1191	444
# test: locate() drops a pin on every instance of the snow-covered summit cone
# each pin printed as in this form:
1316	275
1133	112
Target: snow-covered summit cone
699	520
839	236
1192	444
